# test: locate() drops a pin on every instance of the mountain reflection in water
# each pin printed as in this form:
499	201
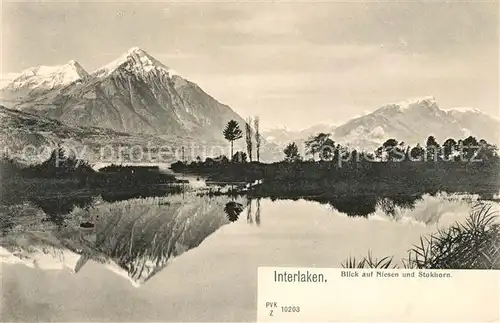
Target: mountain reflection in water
134	238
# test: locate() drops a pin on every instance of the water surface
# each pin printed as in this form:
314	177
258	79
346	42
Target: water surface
190	258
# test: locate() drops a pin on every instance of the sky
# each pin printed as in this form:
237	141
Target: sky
294	64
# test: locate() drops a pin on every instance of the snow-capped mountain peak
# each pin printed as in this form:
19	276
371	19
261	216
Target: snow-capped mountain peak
137	51
44	78
134	93
412	121
75	66
71	71
134	60
427	101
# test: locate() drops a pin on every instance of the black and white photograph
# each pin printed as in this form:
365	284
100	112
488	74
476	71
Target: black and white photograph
154	155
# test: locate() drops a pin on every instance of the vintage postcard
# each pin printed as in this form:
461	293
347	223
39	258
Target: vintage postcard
243	161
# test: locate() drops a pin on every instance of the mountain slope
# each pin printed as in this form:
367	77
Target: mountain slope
476	123
412	122
135	93
31	138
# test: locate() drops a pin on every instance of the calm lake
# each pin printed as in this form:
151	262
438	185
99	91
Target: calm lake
187	257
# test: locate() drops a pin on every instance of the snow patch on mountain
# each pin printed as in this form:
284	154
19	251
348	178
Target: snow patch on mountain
172	72
45	258
378	132
464	110
404	105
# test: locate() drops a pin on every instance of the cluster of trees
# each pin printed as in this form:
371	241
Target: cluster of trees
320	146
464	150
232	132
59	164
131	176
62	165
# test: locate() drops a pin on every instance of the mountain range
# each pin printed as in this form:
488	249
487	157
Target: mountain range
412	122
137	99
135	93
134	100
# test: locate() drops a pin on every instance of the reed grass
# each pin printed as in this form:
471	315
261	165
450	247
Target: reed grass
473	244
369	262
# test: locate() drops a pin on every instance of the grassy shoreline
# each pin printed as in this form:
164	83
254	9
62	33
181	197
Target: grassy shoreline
66	177
324	179
474	244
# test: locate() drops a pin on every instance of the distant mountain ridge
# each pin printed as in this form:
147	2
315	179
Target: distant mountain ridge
135	93
411	121
283	136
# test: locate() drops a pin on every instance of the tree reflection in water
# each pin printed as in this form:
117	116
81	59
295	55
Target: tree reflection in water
233	210
249	211
58	208
366	205
257	213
